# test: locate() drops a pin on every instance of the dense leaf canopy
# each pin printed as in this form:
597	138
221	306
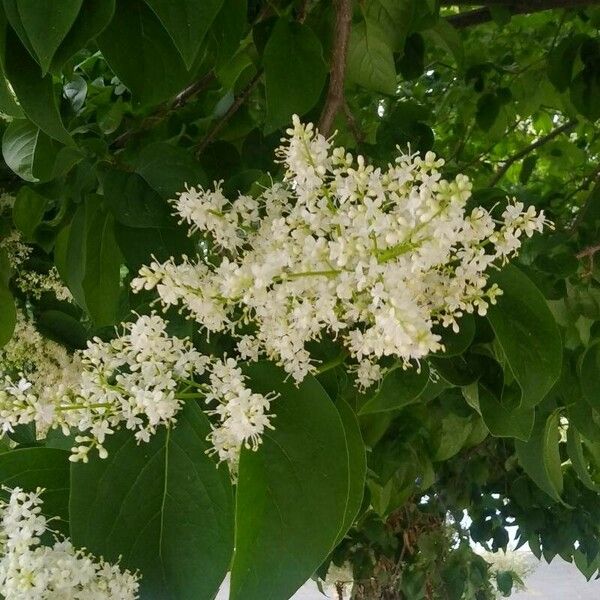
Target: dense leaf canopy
110	108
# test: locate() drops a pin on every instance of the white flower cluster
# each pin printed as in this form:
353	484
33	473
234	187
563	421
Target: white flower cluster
376	257
133	380
29	282
30	571
37	377
141	379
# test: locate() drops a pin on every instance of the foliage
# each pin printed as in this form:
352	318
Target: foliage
110	108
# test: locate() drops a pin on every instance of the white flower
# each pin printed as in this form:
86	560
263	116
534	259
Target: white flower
376	257
31	571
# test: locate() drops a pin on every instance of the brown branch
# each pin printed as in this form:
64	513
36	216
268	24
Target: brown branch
533	146
165	110
218	125
589	251
519	7
339	56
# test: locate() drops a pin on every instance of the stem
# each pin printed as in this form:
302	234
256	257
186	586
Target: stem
533	146
188	396
82	406
337	73
239	101
329	273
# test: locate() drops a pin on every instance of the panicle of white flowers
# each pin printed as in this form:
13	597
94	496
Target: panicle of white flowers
32	571
37	376
376	257
140	381
243	414
132	380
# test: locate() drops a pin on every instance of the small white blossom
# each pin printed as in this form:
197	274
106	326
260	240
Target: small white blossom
32	571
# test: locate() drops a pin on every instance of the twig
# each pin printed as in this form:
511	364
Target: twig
216	128
533	146
163	111
355	129
337	73
484	15
590	251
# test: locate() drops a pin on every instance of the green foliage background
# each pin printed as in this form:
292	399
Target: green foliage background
111	106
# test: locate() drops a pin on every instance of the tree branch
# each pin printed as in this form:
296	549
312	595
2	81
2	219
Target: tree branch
218	125
337	75
516	7
533	146
165	110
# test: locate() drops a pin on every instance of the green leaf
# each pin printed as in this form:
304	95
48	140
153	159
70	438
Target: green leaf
163	506
398	388
48	468
168	168
455	343
561	60
540	455
357	465
527	333
575	450
504	419
292	493
28	211
46	24
393	17
35	93
590	375
93	18
19	144
8	315
370	59
450	39
504	581
488	109
294	72
62	327
102	280
187	22
133	202
148	64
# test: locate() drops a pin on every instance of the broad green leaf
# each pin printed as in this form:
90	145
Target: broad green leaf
187	22
148	64
102	280
163	506
488	109
561	60
527	333
19	144
70	250
8	101
398	388
575	450
540	456
35	93
294	72
140	244
585	93
370	59
357	464
48	468
8	315
504	419
168	168
28	211
449	38
292	493
590	375
62	327
93	18
394	17
133	202
46	24
455	343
